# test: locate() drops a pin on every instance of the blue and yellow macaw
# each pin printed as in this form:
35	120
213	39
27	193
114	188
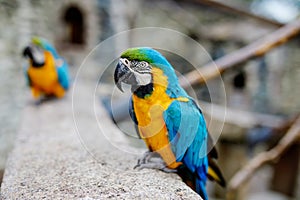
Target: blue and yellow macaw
167	119
47	73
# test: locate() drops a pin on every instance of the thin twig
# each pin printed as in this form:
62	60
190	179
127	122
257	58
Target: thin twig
291	137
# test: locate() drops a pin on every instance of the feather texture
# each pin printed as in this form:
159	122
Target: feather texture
172	124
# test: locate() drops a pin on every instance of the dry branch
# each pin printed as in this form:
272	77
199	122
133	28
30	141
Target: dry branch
283	127
291	137
255	49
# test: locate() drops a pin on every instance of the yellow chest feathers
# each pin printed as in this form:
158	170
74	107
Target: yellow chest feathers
149	114
149	110
45	76
152	107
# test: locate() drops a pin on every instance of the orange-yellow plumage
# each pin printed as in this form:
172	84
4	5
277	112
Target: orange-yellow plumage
152	127
45	79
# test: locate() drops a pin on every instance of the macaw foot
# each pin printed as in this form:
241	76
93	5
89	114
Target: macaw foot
38	102
148	156
152	160
159	166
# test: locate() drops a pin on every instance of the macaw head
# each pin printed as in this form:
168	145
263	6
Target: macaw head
136	66
35	54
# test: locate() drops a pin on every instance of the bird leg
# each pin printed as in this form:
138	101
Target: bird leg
152	160
147	157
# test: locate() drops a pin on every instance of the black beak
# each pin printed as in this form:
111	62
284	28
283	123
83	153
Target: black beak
121	73
31	52
124	75
28	52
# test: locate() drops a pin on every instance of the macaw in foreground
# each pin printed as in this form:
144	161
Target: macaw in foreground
47	73
167	119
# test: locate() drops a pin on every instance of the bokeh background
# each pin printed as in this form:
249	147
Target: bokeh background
264	90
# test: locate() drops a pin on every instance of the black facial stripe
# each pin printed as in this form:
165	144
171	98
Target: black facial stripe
146	72
142	91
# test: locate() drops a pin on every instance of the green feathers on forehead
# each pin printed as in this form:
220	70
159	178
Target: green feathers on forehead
145	54
138	54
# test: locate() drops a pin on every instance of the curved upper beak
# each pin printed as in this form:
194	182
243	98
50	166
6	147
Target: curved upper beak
121	74
124	74
35	54
27	52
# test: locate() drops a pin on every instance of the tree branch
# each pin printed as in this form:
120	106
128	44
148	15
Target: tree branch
255	49
291	137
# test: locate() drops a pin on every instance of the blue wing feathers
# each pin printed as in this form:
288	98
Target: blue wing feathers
184	121
63	75
188	137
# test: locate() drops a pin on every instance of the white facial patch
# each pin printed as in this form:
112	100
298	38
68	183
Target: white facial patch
38	55
143	79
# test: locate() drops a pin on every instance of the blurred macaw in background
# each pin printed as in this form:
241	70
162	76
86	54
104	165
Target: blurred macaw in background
47	73
167	119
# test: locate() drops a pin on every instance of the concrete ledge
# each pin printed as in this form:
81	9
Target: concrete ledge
51	161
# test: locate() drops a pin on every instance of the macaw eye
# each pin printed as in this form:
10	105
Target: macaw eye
140	65
143	64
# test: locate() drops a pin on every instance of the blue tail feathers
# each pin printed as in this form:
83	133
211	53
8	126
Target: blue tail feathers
193	180
200	188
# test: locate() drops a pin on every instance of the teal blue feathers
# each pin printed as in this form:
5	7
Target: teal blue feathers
186	127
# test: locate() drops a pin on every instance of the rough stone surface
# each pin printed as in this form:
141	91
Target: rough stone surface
54	159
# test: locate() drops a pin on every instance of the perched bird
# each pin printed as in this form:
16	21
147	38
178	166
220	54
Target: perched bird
167	119
47	73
